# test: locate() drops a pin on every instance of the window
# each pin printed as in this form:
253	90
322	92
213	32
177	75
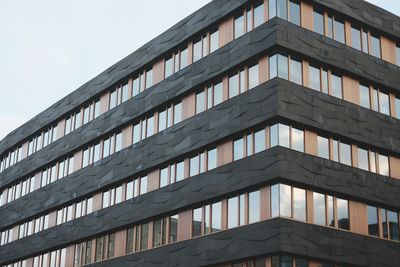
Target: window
294	12
136	133
339	31
143	185
314	76
271	9
197	222
233	212
212	159
239	26
372	162
253	76
364	96
330	211
249	15
144	235
233	85
150	126
318	22
297	140
214	41
200	102
197	50
136	86
159	232
330	27
383	162
284	138
177	113
336	86
173	228
299	204
149	78
393	219
254	206
375	46
281	8
169	67
273	66
184	58
343	214
238	149
216	217
324	75
345	154
373	226
259	141
296	71
364	37
218	93
281	199
397	105
363	159
319	208
384	103
163	177
356	38
258	14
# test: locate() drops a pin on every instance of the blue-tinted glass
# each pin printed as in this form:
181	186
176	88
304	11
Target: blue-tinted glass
239	26
258	15
375	46
323	147
345	154
275	200
383	163
216	218
285	200
315	80
284	135
397	107
274	135
398	55
296	74
336	86
339	31
169	68
184	58
297	140
212	159
364	41
273	66
363	159
364	96
282	66
218	93
319	208
294	11
373	226
299	204
238	149
233	212
286	261
214	41
356	38
197	50
253	76
330	27
318	22
282	9
259	141
393	219
233	85
384	103
254	206
271	9
343	214
149	78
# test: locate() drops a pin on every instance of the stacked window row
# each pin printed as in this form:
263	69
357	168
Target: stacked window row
278	200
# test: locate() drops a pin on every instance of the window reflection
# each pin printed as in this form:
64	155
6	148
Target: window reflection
345	154
259	141
384	103
323	147
285	200
319	208
373	227
375	46
383	162
318	22
294	11
254	206
238	149
339	31
315	81
296	71
363	159
299	204
253	76
356	38
364	96
336	86
216	217
239	26
343	213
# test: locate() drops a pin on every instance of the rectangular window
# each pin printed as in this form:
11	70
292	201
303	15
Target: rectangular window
339	31
162	121
373	226
169	67
374	100
330	27
299	204
345	154
397	106
253	76
136	133
283	67
233	85
296	74
274	139
144	237
258	15
281	9
330	211
315	80
194	166
356	38
297	140
343	214
318	22
384	103
233	212
216	217
284	135
273	66
364	35
285	200
150	126
383	162
398	55
319	208
363	159
294	12
180	171
173	228
197	50
218	93
159	232
238	149
200	102
125	92
364	96
393	219
324	81
163	177
271	9
239	26
214	41
184	58
336	86
259	141
135	86
254	206
375	46
197	222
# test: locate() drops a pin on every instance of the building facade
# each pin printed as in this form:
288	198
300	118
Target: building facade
251	133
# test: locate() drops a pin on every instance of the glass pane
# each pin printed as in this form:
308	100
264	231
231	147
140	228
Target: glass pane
233	212
365	42
197	50
249	15
197	220
384	223
319	208
200	102
375	46
254	206
143	185
194	166
238	149
282	9
393	225
212	159
184	58
218	93
330	211
253	76
144	236
330	27
299	204
372	162
106	148
135	86
286	261
118	141
343	214
233	85
285	200
216	217
301	262
384	103
282	67
323	147
273	66
157	231
149	78
356	38
113	99
162	121
274	135
345	154
324	75
297	140
271	9
363	159
296	71
163	177
374	99
239	26
336	86
180	171
318	22
397	105
373	226
150	126
177	113
364	96
339	31
125	92
284	137
169	67
294	11
259	141
383	165
136	133
315	81
214	41
398	55
258	15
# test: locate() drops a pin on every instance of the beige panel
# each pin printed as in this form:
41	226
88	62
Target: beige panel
153	180
224	214
70	253
310	207
388	49
61	128
190	52
94	249
185	225
266	15
358	217
354	155
351	90
392	98
158	71
226	32
150	235
394	164
307	15
225	88
225	153
263	69
306	75
311	145
104	102
347	31
189	106
78	160
25	149
52	218
127	136
265	205
186	167
97	201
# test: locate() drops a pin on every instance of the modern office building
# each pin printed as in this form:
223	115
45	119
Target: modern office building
251	133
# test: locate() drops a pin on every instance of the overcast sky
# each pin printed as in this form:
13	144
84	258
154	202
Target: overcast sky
49	48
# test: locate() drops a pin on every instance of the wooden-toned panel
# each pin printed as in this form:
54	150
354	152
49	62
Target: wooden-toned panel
52	218
351	90
153	180
263	69
186	168
225	153
310	143
104	102
226	32
265	205
306	75
225	88
61	128
313	264
358	217
97	201
127	136
268	262
392	98
78	160
158	71
307	15
185	225
347	30
224	214
354	155
388	48
394	164
189	106
310	207
70	252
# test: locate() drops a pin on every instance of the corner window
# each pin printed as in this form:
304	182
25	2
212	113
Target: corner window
318	22
294	11
299	204
375	46
283	67
259	141
297	140
281	8
296	73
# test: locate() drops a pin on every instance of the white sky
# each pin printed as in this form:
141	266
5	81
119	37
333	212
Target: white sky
49	48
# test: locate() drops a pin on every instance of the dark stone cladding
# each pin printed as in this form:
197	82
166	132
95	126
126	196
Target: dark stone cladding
201	19
275	165
264	38
381	20
271	237
180	32
272	101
